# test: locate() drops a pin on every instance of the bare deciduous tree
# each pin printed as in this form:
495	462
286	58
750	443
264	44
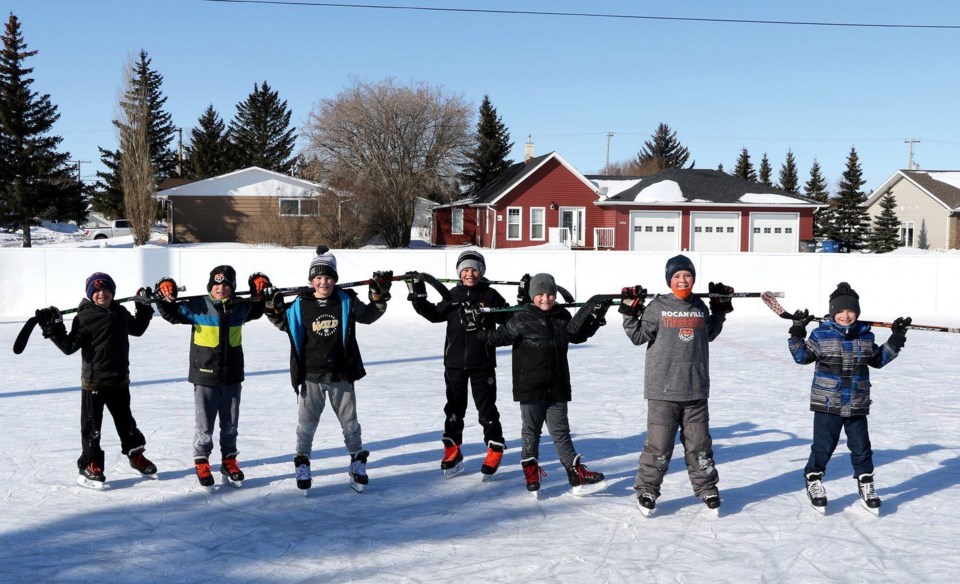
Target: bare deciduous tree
389	144
136	170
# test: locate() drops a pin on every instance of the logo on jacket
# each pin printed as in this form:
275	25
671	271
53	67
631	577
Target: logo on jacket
686	334
325	326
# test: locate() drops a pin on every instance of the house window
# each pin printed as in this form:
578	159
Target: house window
906	234
456	221
537	223
729	229
697	229
670	228
514	220
299	207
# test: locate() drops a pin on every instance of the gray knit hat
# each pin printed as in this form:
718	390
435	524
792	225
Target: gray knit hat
325	264
471	259
542	284
844	298
679	263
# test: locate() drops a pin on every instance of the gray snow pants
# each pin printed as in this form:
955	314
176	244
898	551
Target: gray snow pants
209	402
663	420
311	402
532	416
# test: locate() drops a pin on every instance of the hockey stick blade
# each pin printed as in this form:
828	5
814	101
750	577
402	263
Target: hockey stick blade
21	342
772	304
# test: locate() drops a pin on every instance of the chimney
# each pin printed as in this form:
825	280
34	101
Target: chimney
528	148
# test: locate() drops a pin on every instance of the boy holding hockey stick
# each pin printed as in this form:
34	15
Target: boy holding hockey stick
540	334
216	362
466	359
101	332
842	349
677	329
325	358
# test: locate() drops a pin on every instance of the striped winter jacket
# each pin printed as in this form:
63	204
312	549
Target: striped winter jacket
841	380
216	351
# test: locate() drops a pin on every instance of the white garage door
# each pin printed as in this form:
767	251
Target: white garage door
715	232
655	230
775	232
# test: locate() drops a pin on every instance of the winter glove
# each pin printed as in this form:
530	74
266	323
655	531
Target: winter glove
380	284
899	329
416	287
48	316
273	302
523	290
166	288
143	296
258	282
598	310
470	316
801	319
720	305
631	300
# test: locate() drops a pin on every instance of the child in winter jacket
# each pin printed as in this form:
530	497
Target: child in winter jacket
466	360
540	333
842	348
325	358
216	362
101	333
677	329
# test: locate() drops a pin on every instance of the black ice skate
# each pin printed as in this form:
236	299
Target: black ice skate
868	493
452	463
301	465
532	473
583	481
231	472
91	477
202	466
712	501
647	502
358	471
815	491
141	463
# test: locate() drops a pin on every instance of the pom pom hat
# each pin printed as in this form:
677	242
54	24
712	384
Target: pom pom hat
844	298
325	264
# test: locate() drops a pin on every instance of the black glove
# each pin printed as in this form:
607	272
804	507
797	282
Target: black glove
258	282
166	288
720	305
801	319
380	283
631	300
899	329
416	287
598	309
144	295
470	316
523	290
49	316
273	299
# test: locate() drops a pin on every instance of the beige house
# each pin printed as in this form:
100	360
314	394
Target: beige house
222	207
928	207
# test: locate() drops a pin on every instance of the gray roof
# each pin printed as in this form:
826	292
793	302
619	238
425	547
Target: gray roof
702	185
949	194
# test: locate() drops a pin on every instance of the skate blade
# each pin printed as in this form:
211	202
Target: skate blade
584	490
712	512
356	486
488	477
875	511
304	492
449	473
535	494
235	484
820	510
646	512
89	484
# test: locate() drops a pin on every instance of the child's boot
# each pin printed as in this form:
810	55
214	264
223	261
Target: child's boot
202	466
492	462
452	463
358	471
868	493
301	465
815	491
141	463
532	473
584	481
91	476
231	471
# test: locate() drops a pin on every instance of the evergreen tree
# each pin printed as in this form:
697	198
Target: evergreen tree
851	221
35	180
815	189
664	150
260	132
885	235
789	177
208	153
488	156
766	171
720	167
744	168
108	194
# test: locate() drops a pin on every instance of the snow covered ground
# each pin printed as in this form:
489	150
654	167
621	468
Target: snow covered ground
412	525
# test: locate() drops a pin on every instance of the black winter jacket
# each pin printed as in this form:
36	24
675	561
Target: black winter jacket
102	337
460	349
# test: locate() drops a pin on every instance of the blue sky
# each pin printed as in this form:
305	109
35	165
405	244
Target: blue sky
566	81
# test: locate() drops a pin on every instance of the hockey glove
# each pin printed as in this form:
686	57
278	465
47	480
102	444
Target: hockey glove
273	302
899	328
416	287
720	305
166	288
144	295
380	284
48	316
470	316
631	300
523	290
598	310
801	319
258	282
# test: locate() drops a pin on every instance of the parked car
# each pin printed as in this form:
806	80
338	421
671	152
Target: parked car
116	228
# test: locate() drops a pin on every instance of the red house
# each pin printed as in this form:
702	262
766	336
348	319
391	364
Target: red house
546	200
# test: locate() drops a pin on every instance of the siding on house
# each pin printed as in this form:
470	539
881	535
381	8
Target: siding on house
203	219
916	206
443	227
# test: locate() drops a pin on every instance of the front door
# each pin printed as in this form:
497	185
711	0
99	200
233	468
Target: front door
573	219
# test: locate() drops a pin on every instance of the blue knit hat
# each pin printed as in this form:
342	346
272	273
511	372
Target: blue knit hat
679	263
99	281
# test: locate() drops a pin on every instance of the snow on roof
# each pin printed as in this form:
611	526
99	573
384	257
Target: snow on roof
950	178
614	186
247	182
768	199
665	191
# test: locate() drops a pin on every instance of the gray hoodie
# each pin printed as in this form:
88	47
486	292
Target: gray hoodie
677	333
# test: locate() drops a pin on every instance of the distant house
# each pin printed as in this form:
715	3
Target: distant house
928	206
545	200
213	209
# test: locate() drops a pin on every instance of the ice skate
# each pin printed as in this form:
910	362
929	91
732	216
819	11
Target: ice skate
532	473
647	502
452	463
868	493
202	466
141	463
815	491
358	471
231	472
91	477
712	502
492	462
584	482
301	465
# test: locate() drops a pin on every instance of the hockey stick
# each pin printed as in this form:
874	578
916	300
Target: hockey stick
20	343
770	300
564	293
440	288
519	307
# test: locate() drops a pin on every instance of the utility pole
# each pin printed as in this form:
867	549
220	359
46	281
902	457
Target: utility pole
607	167
911	142
180	152
78	163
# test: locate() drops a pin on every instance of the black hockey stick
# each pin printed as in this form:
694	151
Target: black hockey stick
770	300
594	298
440	288
564	293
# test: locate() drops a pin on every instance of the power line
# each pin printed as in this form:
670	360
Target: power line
591	15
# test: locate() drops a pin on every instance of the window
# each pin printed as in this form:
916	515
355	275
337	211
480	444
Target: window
514	219
709	229
299	207
456	221
729	229
671	228
906	234
659	228
697	229
777	230
538	219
